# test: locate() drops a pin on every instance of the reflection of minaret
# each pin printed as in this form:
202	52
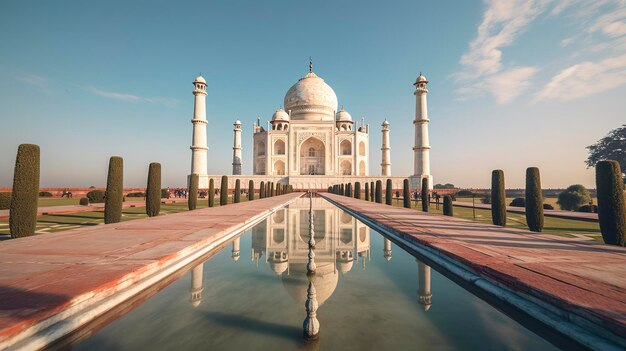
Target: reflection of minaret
237	149
235	254
311	326
386	157
196	285
423	272
387	250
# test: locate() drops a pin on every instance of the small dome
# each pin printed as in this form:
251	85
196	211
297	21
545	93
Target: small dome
343	116
421	79
385	122
238	122
200	79
280	115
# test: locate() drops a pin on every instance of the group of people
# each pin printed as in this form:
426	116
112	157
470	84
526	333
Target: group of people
180	193
66	193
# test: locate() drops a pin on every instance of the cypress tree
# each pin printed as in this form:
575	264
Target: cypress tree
611	207
268	193
251	190
224	191
237	195
25	194
192	198
372	191
367	191
114	195
330	189
447	206
153	190
349	189
498	198
534	200
406	194
262	190
425	199
357	190
388	191
342	191
211	192
379	191
279	189
272	189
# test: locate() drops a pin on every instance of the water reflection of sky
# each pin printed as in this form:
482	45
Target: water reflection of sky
372	295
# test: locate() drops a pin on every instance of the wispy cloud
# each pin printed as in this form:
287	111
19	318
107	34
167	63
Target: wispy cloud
36	81
132	98
482	68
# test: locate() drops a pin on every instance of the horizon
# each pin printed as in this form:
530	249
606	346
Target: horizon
510	86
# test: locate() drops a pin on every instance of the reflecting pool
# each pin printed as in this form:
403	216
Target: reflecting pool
369	295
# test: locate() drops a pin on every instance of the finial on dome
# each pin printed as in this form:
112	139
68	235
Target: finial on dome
310	64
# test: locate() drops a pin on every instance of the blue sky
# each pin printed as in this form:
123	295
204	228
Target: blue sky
512	83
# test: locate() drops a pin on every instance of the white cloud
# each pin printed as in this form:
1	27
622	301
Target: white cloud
585	78
36	81
131	98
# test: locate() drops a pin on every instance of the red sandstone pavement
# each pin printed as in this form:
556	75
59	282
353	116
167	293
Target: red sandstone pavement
584	278
4	214
43	275
581	216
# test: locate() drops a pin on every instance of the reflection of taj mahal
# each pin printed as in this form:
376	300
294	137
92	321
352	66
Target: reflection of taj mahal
309	137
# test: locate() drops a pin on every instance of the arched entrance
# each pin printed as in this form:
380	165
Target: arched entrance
312	157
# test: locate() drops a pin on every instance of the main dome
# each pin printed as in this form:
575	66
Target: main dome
311	98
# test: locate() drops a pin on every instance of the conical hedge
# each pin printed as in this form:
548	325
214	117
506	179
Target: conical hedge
224	191
114	195
406	194
237	195
448	209
25	194
192	199
498	198
388	192
262	190
211	193
153	190
379	191
425	198
251	190
534	200
611	207
367	191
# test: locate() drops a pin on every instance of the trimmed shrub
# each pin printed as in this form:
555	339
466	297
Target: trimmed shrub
611	207
573	197
388	190
343	190
45	194
548	206
448	209
83	201
272	189
224	191
114	196
95	196
534	200
518	202
357	190
153	190
425	198
23	210
268	190
372	191
406	194
136	194
588	209
211	193
349	190
251	190
330	189
498	198
464	193
237	195
262	190
486	200
192	198
5	200
165	193
379	191
367	191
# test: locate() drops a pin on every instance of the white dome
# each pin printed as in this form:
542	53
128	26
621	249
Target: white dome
311	98
343	116
280	115
421	79
325	281
385	122
200	79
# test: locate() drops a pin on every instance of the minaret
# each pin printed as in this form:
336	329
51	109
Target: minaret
237	148
235	251
423	272
199	143
386	164
421	150
196	285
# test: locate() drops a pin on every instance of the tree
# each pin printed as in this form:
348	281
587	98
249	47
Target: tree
357	190
262	190
25	194
211	192
406	194
444	186
573	197
448	208
237	195
372	190
425	197
367	191
114	196
224	191
498	198
251	190
388	191
611	147
153	190
534	200
192	198
379	191
611	207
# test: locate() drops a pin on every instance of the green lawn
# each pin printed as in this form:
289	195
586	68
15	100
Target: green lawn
547	200
59	222
557	226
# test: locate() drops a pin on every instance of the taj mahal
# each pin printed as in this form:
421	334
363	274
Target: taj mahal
311	143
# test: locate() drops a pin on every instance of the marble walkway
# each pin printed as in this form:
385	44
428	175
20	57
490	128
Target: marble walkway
583	281
53	283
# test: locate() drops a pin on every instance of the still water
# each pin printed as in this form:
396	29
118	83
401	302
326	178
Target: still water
371	295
